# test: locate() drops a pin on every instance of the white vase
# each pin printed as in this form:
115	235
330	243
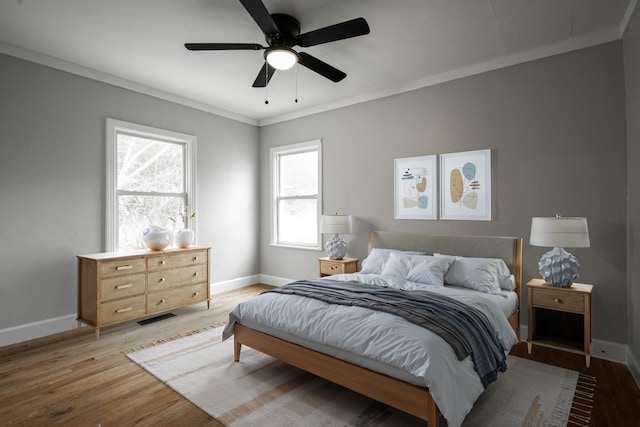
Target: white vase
156	238
184	238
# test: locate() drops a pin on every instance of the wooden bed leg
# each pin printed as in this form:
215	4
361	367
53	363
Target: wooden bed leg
236	350
433	413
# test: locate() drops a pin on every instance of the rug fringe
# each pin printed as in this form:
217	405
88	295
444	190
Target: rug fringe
173	338
582	405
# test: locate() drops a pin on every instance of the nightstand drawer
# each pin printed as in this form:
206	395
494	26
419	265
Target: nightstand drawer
562	301
332	267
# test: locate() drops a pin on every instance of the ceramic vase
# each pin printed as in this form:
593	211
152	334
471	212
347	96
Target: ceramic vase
156	238
184	238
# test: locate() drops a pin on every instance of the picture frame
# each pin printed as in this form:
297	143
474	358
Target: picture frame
416	189
465	185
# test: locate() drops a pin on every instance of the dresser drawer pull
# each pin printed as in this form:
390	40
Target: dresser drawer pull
332	267
195	258
196	293
557	301
124	310
195	274
127	286
162	301
124	267
162	262
161	279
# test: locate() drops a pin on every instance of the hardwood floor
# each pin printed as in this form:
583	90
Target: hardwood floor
70	379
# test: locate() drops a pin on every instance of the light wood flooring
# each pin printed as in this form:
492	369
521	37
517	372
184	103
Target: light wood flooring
70	379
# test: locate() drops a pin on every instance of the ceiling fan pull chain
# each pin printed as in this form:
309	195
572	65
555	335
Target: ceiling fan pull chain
296	100
266	79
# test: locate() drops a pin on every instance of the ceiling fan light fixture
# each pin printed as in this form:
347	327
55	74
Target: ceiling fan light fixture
281	58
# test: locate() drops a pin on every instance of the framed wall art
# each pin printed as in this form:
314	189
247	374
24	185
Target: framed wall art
416	188
465	185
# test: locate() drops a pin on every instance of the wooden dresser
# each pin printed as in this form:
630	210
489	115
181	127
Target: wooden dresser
114	287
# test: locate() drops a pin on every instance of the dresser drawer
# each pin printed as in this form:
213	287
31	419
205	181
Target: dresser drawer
122	309
178	297
167	279
122	267
557	300
173	260
122	286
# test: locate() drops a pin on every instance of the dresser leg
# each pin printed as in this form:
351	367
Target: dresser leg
97	334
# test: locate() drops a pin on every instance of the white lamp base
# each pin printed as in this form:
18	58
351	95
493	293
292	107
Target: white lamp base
336	247
558	267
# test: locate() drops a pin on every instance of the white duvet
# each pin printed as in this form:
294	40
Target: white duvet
428	360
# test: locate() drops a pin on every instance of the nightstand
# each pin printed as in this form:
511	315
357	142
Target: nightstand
560	318
329	267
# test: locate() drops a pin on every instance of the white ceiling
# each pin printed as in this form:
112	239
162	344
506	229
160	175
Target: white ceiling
413	43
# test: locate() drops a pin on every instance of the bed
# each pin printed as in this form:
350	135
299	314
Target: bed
446	387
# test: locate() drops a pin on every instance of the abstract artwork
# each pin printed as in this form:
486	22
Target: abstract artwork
415	188
465	185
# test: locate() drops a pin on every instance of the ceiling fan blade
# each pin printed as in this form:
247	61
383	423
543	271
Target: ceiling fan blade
320	67
353	28
261	15
264	76
223	46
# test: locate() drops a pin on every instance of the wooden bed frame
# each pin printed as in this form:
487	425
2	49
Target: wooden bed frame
401	395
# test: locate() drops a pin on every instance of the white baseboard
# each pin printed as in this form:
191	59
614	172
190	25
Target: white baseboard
42	328
634	366
230	285
274	280
612	351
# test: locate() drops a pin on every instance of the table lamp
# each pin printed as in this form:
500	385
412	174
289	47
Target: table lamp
336	247
558	267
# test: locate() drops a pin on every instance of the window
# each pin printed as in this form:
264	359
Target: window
296	204
150	178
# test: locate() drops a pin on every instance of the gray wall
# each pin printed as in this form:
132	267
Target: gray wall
556	128
52	183
631	42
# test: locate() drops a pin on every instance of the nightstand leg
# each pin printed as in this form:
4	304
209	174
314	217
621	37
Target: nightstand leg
529	345
588	357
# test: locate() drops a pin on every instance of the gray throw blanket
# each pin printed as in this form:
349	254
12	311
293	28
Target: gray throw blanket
465	328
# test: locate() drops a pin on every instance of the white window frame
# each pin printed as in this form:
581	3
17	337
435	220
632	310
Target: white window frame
115	127
275	153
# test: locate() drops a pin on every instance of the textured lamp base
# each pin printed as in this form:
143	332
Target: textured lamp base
336	247
558	268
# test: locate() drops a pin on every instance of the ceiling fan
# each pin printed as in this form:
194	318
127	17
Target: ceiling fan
282	33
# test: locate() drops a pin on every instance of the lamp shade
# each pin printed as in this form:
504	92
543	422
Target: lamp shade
561	232
336	224
281	58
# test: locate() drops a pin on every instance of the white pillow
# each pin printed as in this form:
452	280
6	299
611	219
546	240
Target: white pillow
428	270
508	284
375	262
482	274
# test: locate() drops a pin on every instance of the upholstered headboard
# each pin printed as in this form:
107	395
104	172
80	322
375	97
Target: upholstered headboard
507	248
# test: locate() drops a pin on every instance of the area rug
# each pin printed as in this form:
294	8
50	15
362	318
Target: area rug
261	390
